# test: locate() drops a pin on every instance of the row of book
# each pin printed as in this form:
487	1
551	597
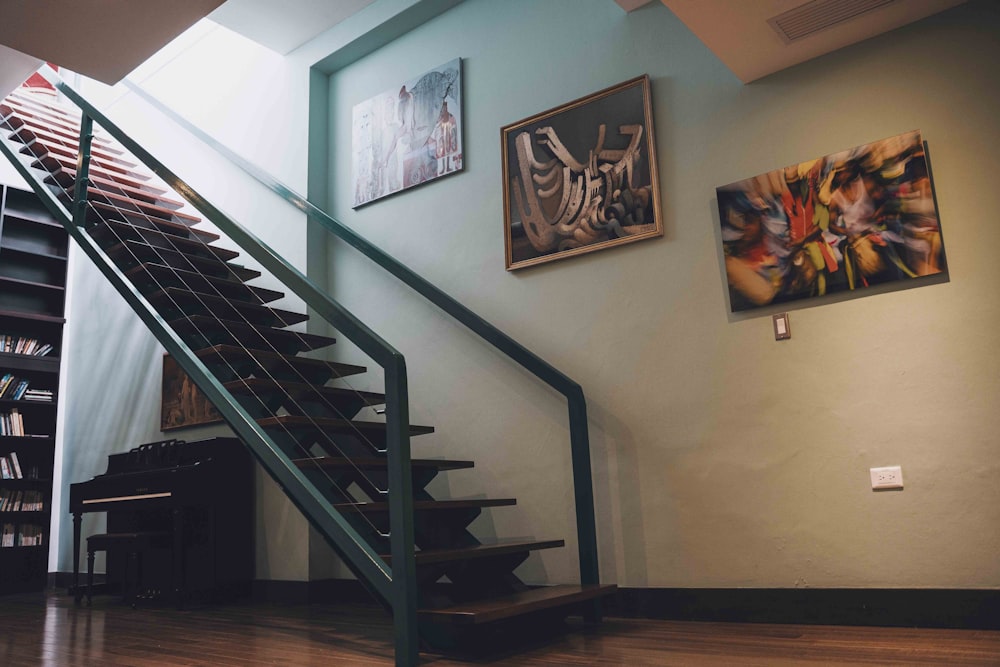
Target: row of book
21	501
24	345
17	389
28	536
10	467
12	423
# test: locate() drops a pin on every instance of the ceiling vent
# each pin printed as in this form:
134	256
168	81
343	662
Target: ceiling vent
812	17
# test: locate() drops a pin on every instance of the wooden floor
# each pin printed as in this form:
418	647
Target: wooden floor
49	630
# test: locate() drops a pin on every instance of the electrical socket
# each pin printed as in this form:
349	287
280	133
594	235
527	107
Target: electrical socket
890	477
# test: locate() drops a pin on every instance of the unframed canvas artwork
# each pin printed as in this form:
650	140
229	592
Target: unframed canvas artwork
847	221
581	177
408	135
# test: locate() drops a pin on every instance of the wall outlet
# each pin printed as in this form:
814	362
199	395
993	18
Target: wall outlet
890	477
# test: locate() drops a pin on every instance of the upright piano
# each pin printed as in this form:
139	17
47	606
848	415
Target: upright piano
201	493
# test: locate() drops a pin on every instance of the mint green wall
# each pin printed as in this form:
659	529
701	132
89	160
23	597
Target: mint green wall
721	457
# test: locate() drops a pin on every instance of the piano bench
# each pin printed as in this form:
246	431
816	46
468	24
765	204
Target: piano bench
133	544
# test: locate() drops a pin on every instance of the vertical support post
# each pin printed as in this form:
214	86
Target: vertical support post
83	171
404	569
583	492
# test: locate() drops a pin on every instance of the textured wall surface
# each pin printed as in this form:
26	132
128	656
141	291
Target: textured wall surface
722	458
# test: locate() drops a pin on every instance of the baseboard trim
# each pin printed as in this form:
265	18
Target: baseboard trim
928	608
889	607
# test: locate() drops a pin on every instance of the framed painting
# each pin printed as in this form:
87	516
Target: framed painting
846	221
581	177
182	403
408	135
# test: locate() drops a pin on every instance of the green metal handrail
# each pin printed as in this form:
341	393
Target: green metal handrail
396	585
576	403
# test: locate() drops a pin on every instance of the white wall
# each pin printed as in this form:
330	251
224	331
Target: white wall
722	458
238	92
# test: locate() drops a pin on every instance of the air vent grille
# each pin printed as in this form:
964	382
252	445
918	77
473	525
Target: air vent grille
818	15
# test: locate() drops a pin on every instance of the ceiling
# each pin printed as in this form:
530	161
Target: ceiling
76	34
738	32
283	26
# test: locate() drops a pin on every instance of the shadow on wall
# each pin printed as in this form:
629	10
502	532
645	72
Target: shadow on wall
611	440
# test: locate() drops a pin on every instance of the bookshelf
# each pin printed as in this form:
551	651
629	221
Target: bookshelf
33	251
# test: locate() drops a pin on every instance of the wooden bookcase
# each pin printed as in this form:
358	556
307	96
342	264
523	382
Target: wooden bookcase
33	250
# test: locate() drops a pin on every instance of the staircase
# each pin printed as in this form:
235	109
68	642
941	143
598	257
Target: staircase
295	410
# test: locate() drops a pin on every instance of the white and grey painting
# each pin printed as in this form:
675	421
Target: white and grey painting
409	134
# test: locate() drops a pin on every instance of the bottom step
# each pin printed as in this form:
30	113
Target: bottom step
518	604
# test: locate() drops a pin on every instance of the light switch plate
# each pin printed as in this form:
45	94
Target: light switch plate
781	329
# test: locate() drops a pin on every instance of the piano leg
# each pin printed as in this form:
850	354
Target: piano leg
90	576
77	525
177	566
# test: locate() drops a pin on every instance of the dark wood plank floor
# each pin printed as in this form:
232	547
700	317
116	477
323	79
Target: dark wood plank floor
49	630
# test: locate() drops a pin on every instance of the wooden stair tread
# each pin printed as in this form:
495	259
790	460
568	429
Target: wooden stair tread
58	161
145	207
49	142
174	297
154	197
238	354
341	425
247	334
68	176
430	505
488	550
69	116
140	251
43	117
375	463
300	390
42	132
517	604
119	231
140	220
225	286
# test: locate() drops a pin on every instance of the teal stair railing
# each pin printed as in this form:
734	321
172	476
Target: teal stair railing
395	586
576	403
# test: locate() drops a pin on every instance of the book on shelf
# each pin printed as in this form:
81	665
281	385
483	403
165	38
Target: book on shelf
5	382
5	470
29	536
27	500
16	465
7	539
12	423
38	393
24	345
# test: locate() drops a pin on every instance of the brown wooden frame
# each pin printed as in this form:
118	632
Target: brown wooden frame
574	126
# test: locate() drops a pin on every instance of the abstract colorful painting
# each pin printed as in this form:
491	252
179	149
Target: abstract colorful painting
847	221
581	177
408	135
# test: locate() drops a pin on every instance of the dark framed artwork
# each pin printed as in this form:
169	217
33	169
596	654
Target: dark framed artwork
846	221
408	135
581	177
182	403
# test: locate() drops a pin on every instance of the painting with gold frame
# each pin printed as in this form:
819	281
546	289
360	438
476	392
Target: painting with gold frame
581	177
182	403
